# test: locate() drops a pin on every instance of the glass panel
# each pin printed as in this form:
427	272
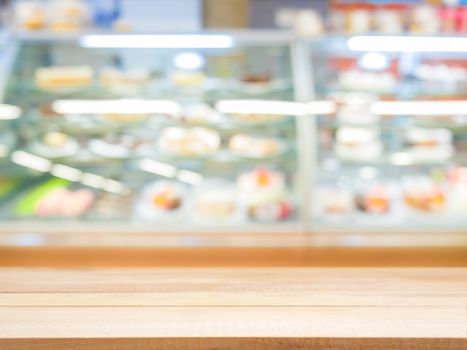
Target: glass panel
160	154
391	165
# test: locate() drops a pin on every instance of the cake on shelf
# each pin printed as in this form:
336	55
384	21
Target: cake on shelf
116	146
55	144
427	145
30	15
188	79
335	201
188	142
255	147
263	193
198	114
67	15
124	82
374	199
423	194
357	80
355	109
161	200
215	201
358	144
63	78
62	202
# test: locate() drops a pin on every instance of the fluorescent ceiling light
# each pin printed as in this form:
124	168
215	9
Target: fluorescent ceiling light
407	43
429	108
190	41
66	172
321	107
31	161
189	60
114	186
92	180
260	107
129	106
8	112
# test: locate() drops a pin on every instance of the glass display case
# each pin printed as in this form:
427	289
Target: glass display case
392	156
245	138
150	133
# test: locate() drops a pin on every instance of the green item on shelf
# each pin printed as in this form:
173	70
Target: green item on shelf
26	206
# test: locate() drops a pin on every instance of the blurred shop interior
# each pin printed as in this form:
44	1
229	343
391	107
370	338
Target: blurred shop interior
277	127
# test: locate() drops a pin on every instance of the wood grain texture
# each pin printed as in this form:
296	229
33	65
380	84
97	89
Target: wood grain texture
213	343
233	287
80	257
260	308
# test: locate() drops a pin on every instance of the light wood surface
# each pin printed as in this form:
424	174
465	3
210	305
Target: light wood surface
270	308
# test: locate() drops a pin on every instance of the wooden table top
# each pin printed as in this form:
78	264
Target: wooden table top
270	308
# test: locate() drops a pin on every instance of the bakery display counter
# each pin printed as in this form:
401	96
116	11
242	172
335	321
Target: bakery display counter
151	133
230	139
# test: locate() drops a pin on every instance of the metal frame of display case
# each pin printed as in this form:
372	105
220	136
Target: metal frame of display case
293	234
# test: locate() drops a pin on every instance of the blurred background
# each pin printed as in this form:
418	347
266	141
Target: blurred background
293	131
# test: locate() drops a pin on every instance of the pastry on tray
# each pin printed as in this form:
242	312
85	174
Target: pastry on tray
117	146
335	201
423	194
30	15
256	79
255	147
188	142
215	201
430	144
67	15
63	78
54	199
62	202
374	200
55	145
358	144
124	82
161	199
198	114
188	79
355	109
